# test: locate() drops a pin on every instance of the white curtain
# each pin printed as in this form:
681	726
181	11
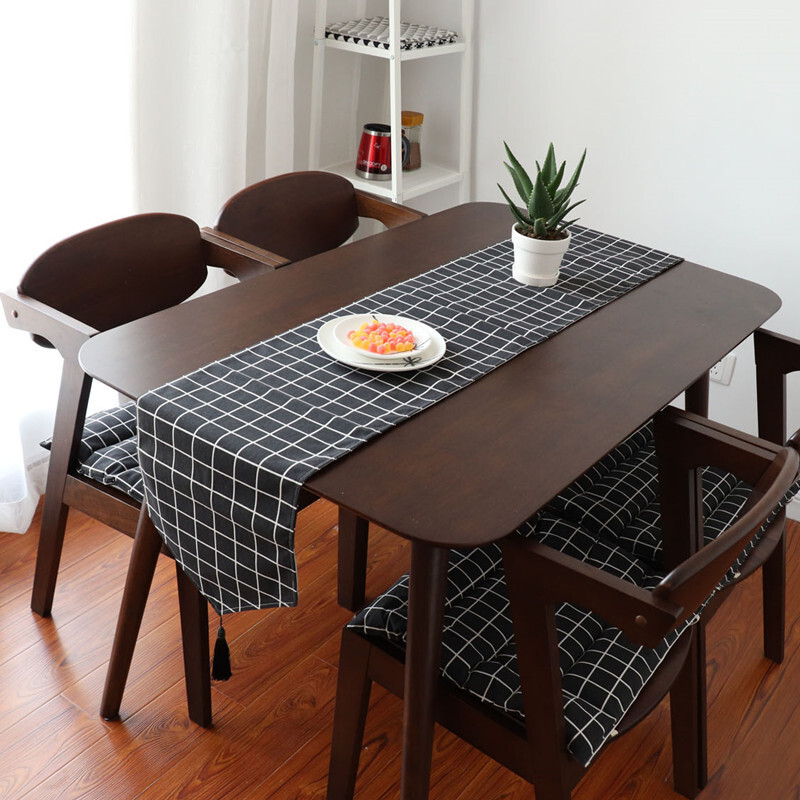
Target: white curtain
66	166
114	108
214	99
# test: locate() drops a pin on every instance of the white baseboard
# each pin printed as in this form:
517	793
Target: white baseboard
793	509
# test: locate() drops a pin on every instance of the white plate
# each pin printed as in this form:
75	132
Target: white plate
353	357
422	335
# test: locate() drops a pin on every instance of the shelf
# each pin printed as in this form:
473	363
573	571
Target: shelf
427	178
373	36
405	55
390	38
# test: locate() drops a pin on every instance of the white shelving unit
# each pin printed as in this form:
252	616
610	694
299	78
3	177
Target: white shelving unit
431	176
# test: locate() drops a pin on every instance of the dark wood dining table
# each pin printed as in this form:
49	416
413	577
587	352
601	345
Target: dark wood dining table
486	458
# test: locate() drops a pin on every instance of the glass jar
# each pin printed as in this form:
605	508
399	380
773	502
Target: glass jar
412	130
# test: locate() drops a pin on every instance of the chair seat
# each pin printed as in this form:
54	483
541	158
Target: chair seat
107	452
608	518
617	499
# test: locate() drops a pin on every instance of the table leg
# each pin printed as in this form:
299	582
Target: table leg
428	580
697	396
352	575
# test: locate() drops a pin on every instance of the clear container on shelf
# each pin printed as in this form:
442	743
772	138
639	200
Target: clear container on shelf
412	130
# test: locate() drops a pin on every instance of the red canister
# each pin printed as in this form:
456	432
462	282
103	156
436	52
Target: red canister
374	160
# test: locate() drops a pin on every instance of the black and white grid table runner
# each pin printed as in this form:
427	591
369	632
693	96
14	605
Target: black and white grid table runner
225	450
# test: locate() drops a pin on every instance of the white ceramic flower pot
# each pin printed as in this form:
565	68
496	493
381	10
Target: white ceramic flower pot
537	261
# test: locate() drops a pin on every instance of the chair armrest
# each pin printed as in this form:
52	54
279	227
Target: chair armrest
59	330
555	577
240	259
392	215
685	442
692	581
776	356
783	352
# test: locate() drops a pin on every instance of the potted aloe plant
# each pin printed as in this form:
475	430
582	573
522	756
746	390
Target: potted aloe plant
540	234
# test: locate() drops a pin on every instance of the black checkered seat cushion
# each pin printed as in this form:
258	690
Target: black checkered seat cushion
602	673
608	518
618	498
107	452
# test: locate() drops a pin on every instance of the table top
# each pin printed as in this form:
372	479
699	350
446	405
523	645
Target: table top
484	459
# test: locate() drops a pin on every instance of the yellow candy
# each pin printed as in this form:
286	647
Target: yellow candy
389	338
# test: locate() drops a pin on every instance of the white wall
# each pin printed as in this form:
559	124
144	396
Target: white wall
690	112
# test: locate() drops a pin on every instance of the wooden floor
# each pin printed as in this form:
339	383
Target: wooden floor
273	718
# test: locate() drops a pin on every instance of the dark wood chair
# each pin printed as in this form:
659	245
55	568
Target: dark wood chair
569	634
297	215
301	214
776	357
90	282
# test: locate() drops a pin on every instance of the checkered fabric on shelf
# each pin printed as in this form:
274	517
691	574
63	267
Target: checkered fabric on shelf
609	519
107	452
374	32
225	450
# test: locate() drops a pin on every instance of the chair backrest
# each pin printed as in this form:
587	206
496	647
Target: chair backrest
694	579
296	215
120	271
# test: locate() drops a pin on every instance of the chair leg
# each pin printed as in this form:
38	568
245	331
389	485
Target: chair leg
48	555
352	576
689	719
352	702
773	582
194	632
536	638
144	557
72	400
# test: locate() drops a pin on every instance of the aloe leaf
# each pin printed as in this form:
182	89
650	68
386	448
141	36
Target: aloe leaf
573	181
518	182
557	217
518	215
526	182
540	228
549	170
560	204
540	205
556	182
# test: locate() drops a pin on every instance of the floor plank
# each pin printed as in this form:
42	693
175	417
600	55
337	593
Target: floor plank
271	735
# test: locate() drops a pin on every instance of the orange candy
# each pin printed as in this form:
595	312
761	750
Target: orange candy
385	339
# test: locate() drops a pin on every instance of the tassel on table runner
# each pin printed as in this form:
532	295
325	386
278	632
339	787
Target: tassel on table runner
221	663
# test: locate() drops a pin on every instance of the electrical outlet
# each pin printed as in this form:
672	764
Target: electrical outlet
722	371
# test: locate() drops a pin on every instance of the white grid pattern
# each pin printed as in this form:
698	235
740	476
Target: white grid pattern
602	672
225	450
